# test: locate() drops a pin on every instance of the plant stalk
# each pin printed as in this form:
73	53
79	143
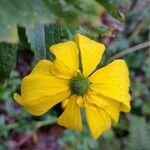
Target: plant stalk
128	51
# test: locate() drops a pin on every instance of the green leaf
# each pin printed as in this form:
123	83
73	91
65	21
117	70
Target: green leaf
88	9
27	13
36	38
146	67
134	60
8	54
14	13
41	37
53	34
23	40
92	32
2	120
112	9
146	108
139	136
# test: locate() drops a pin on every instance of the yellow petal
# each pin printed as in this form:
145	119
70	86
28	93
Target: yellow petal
98	121
96	99
64	103
113	109
88	104
43	67
37	86
113	81
127	107
43	104
71	117
80	102
91	53
39	92
17	98
66	62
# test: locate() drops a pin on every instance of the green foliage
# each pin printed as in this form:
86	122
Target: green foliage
146	107
146	67
135	60
53	34
8	54
139	135
120	43
36	38
11	85
92	32
139	87
27	13
24	13
110	8
73	140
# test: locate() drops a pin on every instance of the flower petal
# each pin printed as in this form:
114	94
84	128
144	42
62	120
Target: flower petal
98	121
113	81
111	106
42	67
43	105
113	109
40	90
71	117
66	63
91	53
36	86
94	98
64	103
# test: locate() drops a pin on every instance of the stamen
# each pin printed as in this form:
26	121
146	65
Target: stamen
79	85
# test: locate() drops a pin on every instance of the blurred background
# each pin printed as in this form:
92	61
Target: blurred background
28	28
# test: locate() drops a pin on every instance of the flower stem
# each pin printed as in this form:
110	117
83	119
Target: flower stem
129	50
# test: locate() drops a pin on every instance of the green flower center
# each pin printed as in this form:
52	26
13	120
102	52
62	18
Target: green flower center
79	85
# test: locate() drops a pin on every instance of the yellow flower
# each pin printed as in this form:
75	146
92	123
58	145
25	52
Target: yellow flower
73	78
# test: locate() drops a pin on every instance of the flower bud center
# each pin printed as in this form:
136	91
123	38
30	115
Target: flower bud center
79	85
